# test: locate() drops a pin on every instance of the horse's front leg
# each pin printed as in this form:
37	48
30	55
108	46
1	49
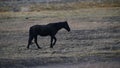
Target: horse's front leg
55	40
51	42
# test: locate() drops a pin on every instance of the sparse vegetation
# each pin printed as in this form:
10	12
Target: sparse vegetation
71	6
40	6
94	37
93	41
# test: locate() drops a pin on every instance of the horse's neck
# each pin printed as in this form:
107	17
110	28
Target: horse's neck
59	26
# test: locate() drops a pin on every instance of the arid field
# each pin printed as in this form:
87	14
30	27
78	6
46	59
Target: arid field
93	42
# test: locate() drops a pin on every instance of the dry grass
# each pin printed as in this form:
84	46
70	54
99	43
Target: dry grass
91	12
93	35
71	6
74	17
57	6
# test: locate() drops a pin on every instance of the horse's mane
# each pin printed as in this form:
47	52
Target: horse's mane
56	23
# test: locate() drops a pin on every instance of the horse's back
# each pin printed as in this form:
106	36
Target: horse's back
34	29
42	30
35	26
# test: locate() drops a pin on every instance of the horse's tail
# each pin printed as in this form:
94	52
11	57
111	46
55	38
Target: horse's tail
30	31
30	36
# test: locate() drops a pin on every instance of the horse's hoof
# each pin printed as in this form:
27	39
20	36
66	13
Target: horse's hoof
51	47
39	48
27	47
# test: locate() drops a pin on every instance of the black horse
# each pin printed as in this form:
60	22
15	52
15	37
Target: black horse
46	30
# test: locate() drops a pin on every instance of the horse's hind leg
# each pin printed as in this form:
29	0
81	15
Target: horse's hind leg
29	41
36	42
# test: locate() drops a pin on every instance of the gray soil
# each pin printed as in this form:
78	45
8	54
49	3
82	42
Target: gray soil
94	43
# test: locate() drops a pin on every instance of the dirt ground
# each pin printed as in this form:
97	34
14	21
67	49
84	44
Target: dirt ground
92	43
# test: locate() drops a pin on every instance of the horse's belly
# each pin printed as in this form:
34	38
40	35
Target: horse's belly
43	34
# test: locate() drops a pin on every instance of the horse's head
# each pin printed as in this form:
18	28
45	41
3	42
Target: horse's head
66	26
